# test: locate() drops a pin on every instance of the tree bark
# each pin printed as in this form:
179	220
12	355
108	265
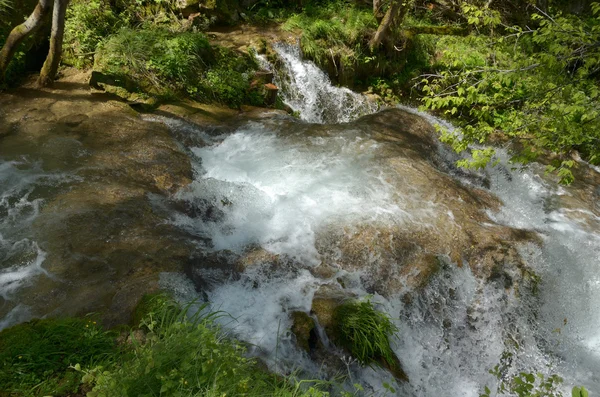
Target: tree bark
377	10
50	68
394	15
20	33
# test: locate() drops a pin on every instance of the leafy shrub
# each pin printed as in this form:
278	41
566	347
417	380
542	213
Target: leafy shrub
88	23
158	60
39	353
364	331
537	87
167	64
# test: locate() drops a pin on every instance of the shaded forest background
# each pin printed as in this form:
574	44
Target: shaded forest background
524	73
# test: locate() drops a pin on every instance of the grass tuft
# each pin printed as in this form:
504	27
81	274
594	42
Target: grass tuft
365	332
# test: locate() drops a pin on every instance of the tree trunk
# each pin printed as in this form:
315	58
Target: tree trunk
20	33
377	10
48	73
394	15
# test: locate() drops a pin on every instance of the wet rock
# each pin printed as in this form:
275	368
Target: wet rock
303	327
211	269
257	256
448	219
263	77
73	120
104	238
325	307
326	299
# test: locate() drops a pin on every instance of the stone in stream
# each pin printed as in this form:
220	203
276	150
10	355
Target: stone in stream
303	327
325	305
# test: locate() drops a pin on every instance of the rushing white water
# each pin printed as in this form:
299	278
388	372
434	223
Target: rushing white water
308	90
568	263
277	190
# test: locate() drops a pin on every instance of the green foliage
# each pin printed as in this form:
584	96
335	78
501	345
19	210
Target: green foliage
335	35
177	354
527	383
4	6
579	392
167	64
537	87
88	22
35	356
365	331
185	355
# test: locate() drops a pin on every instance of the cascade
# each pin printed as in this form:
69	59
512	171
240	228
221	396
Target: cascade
282	209
283	186
308	90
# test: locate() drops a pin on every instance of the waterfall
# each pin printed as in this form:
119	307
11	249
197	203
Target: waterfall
283	186
308	90
281	209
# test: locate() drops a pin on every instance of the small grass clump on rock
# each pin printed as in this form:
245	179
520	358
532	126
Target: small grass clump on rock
364	332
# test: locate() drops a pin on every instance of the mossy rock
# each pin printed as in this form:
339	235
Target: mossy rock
364	331
343	318
303	327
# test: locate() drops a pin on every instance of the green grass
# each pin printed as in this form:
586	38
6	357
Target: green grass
35	357
166	64
335	35
364	332
177	354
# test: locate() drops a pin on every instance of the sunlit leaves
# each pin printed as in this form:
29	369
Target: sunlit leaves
537	87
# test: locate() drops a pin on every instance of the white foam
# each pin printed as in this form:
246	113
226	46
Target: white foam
279	191
308	90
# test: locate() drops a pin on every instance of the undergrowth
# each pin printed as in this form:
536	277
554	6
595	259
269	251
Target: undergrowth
335	35
167	64
35	357
173	351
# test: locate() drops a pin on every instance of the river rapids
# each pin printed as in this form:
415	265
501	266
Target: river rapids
360	200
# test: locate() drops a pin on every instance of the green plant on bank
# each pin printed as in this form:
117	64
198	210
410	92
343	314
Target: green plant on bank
365	332
163	63
335	35
186	355
35	356
171	353
88	23
536	87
